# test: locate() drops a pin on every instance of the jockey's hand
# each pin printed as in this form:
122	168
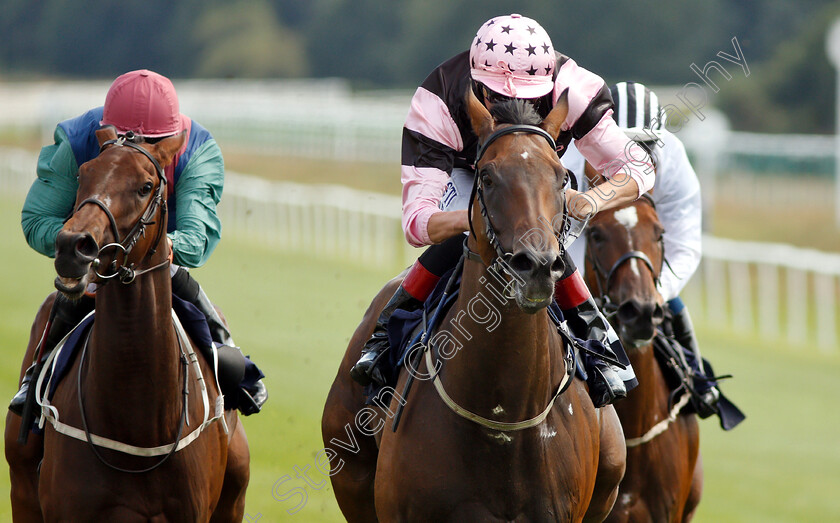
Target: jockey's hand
609	194
581	205
446	224
171	252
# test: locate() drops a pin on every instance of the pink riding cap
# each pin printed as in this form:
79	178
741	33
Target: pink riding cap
513	56
144	102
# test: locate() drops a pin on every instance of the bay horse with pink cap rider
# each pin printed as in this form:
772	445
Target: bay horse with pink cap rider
143	106
141	110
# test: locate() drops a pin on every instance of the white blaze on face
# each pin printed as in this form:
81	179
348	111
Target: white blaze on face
525	155
629	218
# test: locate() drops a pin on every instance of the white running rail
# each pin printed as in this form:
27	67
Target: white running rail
774	290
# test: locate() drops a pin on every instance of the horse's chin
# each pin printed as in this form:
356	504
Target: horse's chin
533	303
72	288
634	337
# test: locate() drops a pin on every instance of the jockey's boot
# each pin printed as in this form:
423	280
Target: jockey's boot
418	284
366	370
67	314
232	362
707	393
606	381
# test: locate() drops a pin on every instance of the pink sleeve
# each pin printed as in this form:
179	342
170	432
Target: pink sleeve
583	86
422	189
610	151
430	117
424	186
605	147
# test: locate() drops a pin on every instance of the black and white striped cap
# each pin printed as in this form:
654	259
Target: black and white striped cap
637	111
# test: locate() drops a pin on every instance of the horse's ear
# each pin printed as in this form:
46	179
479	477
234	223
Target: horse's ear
557	116
166	149
108	132
480	117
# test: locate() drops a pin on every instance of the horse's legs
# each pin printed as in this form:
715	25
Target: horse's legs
23	471
24	459
353	484
231	505
612	462
696	490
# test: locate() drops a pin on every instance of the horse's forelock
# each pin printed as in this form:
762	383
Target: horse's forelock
515	111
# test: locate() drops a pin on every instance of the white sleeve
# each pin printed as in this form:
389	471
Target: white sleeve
573	161
678	204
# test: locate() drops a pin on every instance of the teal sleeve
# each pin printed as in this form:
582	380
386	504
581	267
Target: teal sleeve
50	199
197	192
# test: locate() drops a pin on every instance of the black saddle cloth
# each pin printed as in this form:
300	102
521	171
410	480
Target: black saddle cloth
194	323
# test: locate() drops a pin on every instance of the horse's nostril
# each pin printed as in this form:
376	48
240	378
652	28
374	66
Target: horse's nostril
86	248
521	262
558	265
628	312
658	314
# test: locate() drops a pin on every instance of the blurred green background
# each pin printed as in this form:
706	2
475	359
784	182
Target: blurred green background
378	44
295	311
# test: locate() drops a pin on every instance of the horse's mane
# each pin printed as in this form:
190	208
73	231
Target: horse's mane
515	111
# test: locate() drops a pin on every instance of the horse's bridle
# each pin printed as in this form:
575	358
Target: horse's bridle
500	262
604	278
127	273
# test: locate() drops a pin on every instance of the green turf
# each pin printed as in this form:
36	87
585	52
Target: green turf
294	315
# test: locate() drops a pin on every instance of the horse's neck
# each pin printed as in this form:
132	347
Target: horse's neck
133	338
508	360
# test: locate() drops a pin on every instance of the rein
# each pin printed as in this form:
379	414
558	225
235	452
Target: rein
127	274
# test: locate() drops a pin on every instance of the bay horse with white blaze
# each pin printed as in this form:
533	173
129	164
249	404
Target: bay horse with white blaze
664	477
501	432
133	433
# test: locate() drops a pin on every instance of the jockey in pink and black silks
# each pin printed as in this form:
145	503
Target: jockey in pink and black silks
143	107
511	57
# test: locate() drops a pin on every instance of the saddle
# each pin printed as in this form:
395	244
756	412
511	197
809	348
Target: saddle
406	329
230	369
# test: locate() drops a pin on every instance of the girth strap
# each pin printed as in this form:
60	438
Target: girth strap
50	412
662	426
489	423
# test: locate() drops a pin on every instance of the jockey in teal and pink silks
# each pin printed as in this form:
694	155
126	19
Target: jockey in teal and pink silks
143	106
146	104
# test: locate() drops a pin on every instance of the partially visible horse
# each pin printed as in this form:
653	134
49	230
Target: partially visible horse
664	478
495	436
133	440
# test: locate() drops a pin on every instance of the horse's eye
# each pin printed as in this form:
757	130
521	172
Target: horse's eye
595	236
486	179
146	189
660	236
